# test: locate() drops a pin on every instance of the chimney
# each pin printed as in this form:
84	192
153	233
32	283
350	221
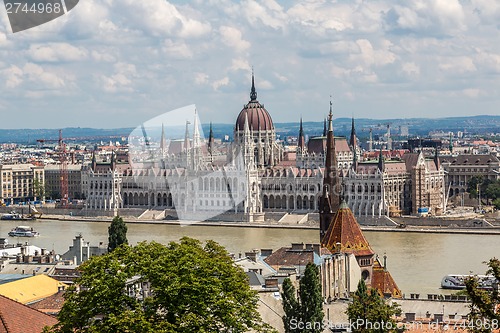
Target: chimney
438	317
266	252
410	316
251	255
271	283
317	249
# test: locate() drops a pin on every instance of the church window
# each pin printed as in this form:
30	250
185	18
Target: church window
365	275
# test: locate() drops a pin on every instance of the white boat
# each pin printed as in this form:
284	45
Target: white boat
11	216
23	231
457	281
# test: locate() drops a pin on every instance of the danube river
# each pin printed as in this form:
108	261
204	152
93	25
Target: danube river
417	261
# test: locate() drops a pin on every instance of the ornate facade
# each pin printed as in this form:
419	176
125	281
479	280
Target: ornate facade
254	174
396	187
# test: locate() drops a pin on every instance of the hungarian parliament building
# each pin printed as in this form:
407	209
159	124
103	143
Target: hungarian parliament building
255	174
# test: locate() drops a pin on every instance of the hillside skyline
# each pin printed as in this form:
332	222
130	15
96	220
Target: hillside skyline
476	125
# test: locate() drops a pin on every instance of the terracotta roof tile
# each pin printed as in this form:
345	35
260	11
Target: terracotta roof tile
18	318
382	281
285	256
344	229
50	305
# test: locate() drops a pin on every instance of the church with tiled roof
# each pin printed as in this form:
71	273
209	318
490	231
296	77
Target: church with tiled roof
341	234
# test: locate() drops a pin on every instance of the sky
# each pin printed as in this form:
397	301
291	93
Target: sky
118	63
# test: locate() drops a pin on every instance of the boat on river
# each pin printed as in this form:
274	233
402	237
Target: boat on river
457	281
33	214
23	231
12	216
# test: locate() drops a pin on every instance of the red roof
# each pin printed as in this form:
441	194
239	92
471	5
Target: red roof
258	118
344	229
382	281
19	318
317	145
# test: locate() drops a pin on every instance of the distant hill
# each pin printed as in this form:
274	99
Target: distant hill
476	125
30	136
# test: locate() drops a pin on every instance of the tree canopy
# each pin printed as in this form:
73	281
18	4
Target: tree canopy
490	189
117	233
370	312
304	314
483	315
192	288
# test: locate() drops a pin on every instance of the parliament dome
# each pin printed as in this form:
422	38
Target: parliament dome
258	117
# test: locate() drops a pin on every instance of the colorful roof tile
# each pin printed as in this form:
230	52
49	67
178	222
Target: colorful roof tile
382	281
31	289
18	318
344	229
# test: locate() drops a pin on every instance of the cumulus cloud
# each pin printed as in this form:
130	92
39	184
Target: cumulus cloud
430	17
201	78
177	49
232	37
266	14
105	52
55	52
121	80
160	17
220	83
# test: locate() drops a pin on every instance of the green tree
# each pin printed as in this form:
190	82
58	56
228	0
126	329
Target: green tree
117	233
193	288
483	315
290	306
304	314
496	203
311	300
492	191
474	184
38	189
370	313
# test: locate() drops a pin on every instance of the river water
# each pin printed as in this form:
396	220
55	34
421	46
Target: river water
417	261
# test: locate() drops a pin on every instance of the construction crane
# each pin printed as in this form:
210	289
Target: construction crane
63	167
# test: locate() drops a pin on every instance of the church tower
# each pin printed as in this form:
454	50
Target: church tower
330	198
301	144
353	140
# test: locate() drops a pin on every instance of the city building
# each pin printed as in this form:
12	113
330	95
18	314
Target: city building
408	185
20	182
102	185
461	168
81	251
53	181
200	179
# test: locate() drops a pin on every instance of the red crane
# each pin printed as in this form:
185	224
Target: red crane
63	168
